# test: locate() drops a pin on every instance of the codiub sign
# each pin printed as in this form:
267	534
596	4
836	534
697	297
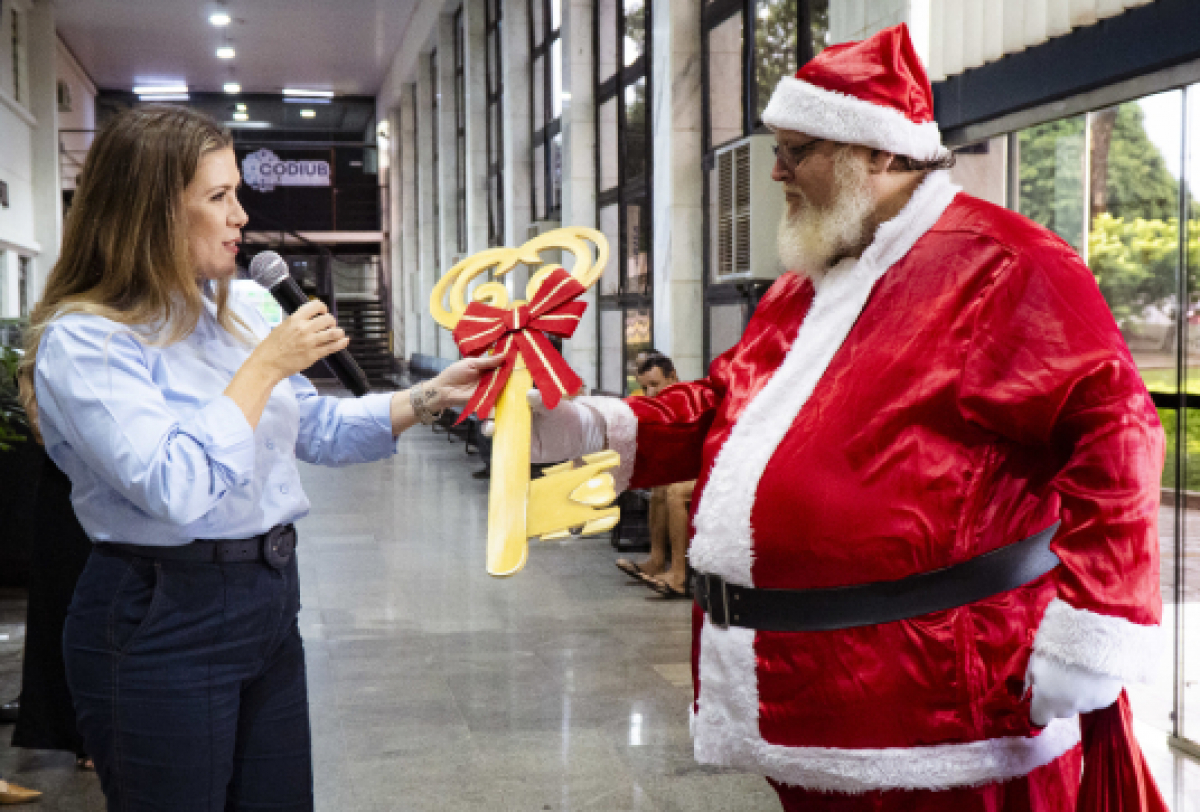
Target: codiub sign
264	170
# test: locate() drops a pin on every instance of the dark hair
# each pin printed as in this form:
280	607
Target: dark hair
657	360
903	163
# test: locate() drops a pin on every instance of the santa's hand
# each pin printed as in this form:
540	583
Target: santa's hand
565	432
1061	690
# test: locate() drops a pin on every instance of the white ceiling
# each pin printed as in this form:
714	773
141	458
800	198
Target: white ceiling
341	45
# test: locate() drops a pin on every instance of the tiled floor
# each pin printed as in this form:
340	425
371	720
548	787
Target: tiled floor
435	687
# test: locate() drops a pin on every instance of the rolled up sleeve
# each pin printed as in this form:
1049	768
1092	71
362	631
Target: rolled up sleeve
95	388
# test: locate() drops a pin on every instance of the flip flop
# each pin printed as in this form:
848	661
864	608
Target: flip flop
632	570
666	591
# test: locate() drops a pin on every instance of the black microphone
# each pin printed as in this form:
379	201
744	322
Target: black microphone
269	270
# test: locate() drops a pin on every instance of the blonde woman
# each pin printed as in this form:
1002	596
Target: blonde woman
178	416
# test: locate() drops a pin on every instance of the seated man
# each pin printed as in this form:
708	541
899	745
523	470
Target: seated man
669	505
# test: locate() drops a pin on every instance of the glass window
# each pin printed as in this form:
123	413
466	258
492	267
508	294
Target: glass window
637	339
556	169
610	227
539	181
556	74
539	93
725	325
537	19
818	26
635	132
607	145
606	56
635	30
775	47
612	378
637	249
982	169
1051	163
725	85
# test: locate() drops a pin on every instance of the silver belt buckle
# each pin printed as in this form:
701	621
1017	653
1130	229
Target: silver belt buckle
721	621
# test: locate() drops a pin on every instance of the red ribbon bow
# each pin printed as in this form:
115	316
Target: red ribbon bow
520	332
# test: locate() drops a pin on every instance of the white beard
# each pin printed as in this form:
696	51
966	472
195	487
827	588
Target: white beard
811	238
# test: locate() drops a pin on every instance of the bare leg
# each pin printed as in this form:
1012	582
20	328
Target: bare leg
678	497
659	531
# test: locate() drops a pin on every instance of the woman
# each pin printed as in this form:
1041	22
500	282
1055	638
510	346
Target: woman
178	418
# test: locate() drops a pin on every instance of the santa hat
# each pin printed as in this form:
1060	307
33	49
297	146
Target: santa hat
874	93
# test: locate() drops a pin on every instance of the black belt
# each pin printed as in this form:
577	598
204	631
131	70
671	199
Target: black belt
274	547
846	607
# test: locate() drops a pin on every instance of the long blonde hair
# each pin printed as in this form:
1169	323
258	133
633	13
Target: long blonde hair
125	247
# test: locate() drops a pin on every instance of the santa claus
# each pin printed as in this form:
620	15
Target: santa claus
925	526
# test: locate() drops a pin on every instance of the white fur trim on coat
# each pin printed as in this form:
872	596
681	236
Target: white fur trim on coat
620	425
724	540
1101	643
804	107
726	733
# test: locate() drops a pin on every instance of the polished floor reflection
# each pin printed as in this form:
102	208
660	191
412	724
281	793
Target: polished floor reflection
435	687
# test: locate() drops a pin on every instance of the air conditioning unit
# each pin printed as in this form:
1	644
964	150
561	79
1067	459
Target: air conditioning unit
746	208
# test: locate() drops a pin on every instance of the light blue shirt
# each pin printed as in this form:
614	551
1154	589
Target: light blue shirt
158	455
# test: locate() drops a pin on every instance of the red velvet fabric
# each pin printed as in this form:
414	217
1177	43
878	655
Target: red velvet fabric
882	69
1116	777
1052	788
984	392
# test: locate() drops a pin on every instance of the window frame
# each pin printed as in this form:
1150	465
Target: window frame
543	133
494	77
627	192
460	130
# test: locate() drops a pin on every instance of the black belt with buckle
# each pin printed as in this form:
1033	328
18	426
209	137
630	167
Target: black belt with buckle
274	547
847	607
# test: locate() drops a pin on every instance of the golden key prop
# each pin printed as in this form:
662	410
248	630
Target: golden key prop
565	496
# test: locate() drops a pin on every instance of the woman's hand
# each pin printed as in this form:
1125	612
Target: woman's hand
302	339
455	385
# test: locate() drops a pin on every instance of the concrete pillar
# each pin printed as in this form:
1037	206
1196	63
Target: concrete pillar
409	277
394	256
518	158
579	163
41	49
447	135
475	80
678	185
426	221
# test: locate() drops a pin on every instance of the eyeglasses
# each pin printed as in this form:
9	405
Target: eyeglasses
792	157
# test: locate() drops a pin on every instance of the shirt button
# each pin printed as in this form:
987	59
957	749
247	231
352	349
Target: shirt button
270	445
283	489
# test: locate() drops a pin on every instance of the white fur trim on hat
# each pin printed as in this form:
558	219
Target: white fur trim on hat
1100	643
726	731
620	426
804	107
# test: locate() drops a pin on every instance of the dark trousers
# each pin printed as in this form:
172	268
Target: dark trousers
189	684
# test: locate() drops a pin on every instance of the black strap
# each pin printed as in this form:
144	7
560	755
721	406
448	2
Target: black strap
274	547
815	610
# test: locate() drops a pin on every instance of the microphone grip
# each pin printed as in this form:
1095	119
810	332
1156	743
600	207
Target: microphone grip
291	298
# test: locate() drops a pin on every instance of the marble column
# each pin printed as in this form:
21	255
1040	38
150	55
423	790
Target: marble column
393	178
579	165
678	185
517	135
41	47
409	277
475	80
426	221
447	135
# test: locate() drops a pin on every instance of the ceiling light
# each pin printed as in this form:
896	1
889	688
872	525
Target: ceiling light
220	19
233	87
157	97
248	125
308	114
292	91
241	108
241	116
225	52
300	100
152	90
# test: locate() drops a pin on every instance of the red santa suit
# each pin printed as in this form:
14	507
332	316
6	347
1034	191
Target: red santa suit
958	388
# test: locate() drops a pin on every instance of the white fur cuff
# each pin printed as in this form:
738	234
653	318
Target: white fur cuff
1100	643
621	426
